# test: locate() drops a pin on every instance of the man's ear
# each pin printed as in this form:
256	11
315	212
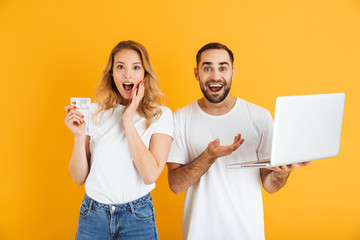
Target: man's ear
196	72
233	74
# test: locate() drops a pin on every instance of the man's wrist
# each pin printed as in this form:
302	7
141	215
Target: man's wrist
282	174
209	156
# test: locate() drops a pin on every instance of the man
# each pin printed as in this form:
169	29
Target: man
210	133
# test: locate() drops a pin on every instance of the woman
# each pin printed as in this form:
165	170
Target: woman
130	134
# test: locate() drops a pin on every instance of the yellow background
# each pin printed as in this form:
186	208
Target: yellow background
53	50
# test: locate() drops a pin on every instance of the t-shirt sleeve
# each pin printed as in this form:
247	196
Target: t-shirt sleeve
165	124
264	148
178	150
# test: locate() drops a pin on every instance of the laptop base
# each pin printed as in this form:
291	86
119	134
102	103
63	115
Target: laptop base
260	164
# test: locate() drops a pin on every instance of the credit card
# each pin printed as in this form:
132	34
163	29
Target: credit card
83	106
81	103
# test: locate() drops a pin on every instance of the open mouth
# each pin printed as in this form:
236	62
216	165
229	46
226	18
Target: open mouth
215	87
128	86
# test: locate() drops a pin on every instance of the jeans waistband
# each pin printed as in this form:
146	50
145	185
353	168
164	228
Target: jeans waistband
119	207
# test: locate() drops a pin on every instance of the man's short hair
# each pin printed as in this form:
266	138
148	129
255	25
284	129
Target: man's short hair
213	45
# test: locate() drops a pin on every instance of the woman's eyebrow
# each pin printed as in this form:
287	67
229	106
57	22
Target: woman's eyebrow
124	63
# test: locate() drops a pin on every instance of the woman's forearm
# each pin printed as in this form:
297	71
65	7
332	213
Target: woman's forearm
79	162
146	163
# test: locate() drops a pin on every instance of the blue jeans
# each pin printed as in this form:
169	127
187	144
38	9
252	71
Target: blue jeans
133	220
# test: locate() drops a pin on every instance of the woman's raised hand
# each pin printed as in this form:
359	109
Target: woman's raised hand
133	104
74	120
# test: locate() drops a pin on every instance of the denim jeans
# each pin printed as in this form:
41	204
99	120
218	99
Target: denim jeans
133	220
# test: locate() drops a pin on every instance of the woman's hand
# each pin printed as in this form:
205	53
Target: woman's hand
74	120
133	104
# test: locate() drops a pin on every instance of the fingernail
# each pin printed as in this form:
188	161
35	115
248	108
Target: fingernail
82	116
75	107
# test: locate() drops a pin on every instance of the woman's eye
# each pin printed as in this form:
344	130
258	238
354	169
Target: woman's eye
120	67
137	67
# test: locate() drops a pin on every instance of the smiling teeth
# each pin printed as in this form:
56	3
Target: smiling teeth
215	85
128	83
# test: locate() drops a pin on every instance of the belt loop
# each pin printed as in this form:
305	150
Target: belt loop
131	207
150	195
91	204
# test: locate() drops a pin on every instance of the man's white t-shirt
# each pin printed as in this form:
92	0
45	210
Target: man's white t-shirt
113	177
225	203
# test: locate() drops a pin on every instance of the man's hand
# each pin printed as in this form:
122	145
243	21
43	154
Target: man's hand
274	178
181	177
215	150
286	169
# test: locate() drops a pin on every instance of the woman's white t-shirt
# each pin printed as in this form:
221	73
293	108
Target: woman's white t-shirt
113	177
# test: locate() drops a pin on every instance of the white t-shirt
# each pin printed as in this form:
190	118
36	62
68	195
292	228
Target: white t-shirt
113	177
225	203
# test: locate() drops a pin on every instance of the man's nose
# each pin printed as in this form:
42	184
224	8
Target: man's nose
216	74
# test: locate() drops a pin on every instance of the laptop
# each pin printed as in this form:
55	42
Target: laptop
306	128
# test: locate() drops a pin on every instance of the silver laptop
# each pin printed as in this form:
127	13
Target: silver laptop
306	128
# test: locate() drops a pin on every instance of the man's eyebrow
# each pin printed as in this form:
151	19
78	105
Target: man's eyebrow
206	63
211	63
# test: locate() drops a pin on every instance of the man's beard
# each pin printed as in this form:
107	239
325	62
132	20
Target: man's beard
208	96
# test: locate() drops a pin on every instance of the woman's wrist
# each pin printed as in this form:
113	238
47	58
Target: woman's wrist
127	120
80	137
127	123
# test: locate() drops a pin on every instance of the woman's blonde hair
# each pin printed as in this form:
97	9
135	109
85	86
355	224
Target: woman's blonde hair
108	96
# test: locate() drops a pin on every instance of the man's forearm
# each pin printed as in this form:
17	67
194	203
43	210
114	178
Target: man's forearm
276	177
185	176
274	181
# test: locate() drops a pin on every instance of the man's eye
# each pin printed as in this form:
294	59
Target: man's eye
222	69
120	67
207	69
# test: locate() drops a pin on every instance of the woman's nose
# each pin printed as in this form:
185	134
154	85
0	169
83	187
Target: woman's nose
127	73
